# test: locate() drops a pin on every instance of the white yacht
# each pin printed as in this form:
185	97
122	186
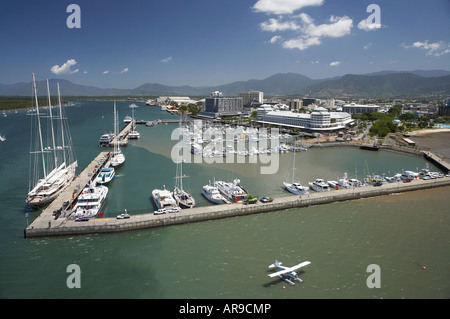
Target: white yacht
127	119
90	201
212	194
117	157
134	135
105	176
232	191
2	138
319	185
105	139
163	198
295	187
333	184
53	165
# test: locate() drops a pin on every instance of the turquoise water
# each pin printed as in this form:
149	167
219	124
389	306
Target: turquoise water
402	233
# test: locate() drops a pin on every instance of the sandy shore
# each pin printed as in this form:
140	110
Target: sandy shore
430	131
436	140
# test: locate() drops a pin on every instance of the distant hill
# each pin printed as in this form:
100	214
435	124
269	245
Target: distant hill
386	85
379	84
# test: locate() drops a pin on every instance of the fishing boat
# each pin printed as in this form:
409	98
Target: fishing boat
212	194
91	201
52	163
232	191
105	176
295	187
117	157
163	198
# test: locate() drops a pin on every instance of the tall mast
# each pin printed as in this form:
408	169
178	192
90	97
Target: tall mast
51	125
39	127
62	126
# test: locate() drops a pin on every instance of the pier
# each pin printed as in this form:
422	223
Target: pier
46	225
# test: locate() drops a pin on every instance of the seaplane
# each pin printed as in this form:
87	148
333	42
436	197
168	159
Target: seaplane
287	274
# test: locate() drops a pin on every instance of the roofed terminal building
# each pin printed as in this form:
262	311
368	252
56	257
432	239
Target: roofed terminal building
353	108
319	120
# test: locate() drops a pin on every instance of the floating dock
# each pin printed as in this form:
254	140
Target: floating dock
46	224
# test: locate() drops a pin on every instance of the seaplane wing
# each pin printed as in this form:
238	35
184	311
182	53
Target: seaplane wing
290	269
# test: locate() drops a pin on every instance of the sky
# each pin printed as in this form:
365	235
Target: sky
124	44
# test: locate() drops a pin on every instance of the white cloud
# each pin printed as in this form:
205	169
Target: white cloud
274	25
312	34
368	27
65	68
315	62
301	43
338	27
367	46
284	6
434	49
124	70
275	38
105	72
335	63
166	60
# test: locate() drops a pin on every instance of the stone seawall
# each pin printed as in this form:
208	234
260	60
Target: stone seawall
143	221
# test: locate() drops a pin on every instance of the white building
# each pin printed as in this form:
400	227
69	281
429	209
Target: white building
319	120
251	97
353	108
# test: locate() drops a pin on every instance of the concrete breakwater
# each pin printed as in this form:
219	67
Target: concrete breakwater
63	226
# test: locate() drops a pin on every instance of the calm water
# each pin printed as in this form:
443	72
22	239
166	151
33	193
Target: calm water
227	258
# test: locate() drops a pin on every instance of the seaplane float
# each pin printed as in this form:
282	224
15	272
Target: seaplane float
287	274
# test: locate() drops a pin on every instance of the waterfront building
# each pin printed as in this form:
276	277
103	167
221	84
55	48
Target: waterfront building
319	120
295	104
353	108
444	110
217	106
180	100
251	98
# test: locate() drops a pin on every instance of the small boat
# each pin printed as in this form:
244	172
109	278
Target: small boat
2	138
127	119
134	135
117	157
212	194
105	176
90	201
333	184
319	185
183	198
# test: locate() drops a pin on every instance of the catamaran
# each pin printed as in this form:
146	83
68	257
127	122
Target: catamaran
182	197
117	157
53	164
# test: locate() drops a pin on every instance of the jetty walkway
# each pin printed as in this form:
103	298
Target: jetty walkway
46	225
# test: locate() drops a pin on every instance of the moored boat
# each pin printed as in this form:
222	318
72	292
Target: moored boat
232	191
90	201
319	185
105	175
212	194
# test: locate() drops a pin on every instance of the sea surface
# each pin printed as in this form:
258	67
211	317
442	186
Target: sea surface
406	235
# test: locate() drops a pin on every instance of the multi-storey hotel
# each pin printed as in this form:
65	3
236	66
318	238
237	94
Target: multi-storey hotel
319	120
251	97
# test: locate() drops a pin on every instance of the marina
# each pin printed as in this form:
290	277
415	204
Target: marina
45	225
233	198
126	248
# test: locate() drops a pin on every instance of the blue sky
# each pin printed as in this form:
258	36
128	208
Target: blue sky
123	44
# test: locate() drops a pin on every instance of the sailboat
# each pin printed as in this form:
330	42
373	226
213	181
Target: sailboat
295	187
117	157
183	198
53	165
133	134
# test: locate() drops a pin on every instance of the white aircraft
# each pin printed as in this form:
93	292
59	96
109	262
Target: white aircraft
287	273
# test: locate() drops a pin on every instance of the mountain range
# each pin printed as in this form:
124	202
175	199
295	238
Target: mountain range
373	85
